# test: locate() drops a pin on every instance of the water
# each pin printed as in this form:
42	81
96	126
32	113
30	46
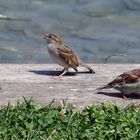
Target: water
94	29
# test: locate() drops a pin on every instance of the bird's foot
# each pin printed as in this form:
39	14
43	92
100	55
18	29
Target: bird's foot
59	69
64	71
126	98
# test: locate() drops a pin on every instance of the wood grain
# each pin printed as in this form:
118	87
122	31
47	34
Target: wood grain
37	82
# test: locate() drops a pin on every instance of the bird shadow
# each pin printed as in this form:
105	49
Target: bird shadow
55	73
120	95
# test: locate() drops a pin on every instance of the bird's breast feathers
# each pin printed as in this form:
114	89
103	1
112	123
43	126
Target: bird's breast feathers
53	51
128	88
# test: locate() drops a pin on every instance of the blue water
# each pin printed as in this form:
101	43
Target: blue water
94	29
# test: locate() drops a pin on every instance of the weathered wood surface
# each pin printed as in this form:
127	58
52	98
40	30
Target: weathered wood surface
36	81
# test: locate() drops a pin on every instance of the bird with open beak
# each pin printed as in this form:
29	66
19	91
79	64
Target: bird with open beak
62	54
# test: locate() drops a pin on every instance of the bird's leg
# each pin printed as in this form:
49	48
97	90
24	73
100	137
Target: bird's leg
64	71
125	97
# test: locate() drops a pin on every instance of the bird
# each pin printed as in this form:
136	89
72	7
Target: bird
62	54
127	83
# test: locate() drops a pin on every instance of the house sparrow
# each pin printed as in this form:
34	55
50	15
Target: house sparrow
128	83
62	54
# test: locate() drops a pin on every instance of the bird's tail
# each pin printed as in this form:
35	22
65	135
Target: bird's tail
87	66
103	87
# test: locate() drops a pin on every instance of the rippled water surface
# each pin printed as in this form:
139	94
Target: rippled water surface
94	29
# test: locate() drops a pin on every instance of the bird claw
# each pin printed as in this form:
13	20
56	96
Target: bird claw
126	98
59	69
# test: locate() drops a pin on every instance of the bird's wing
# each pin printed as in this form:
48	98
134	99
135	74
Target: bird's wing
135	72
125	78
68	56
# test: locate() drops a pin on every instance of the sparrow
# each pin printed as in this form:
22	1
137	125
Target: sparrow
127	83
62	54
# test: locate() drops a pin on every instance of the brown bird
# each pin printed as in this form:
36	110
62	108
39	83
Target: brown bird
62	54
128	83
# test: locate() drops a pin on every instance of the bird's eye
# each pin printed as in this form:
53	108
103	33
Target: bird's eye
50	36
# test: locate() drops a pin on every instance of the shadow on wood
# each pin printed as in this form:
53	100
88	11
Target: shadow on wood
120	95
33	82
52	72
56	73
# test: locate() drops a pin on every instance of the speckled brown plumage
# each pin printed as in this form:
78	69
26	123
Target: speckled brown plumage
62	54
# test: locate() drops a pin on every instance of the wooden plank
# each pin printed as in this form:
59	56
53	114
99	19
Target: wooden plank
36	81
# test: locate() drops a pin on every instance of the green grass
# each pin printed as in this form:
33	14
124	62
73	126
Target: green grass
31	121
106	60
